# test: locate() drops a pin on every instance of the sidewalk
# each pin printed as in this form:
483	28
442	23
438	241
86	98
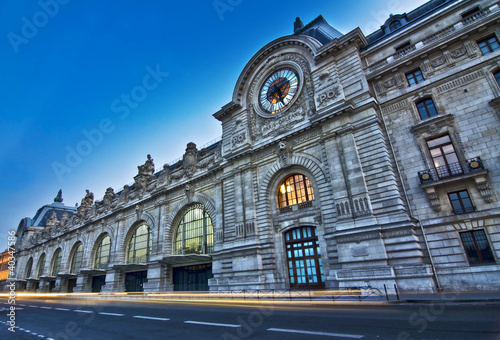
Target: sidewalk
450	297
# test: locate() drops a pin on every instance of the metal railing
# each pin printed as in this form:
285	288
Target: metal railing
451	170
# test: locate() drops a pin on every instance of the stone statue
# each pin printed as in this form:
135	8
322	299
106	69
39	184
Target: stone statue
148	168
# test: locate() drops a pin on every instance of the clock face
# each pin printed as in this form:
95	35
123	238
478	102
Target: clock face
279	90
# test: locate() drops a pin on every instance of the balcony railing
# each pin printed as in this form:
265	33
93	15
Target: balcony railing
451	170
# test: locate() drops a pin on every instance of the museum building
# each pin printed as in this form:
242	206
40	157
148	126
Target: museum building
345	159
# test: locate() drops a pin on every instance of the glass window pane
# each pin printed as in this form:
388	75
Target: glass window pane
195	232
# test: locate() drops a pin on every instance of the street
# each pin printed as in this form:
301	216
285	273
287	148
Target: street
51	318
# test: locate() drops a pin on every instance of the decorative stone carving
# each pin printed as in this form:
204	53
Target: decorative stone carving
471	49
138	211
328	89
108	202
85	205
52	221
459	52
262	126
483	186
284	153
123	198
189	191
436	62
190	159
164	177
148	168
390	83
63	223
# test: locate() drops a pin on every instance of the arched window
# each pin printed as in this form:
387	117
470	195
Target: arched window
294	190
139	247
29	267
41	265
56	266
394	25
426	108
76	262
195	232
103	253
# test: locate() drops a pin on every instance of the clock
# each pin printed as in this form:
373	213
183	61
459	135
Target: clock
279	90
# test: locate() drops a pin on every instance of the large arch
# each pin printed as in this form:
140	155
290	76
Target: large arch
309	217
95	246
178	212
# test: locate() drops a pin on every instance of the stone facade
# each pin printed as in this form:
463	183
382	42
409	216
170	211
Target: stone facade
381	211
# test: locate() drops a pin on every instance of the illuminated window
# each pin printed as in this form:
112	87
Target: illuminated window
139	247
294	190
41	265
426	109
444	157
489	45
29	267
461	202
57	262
477	247
394	25
414	77
76	263
103	253
195	232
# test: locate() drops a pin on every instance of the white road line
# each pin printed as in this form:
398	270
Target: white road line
83	311
338	335
212	324
63	309
150	318
21	305
112	314
43	307
33	306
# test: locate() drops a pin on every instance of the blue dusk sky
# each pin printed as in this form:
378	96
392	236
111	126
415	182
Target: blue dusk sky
89	88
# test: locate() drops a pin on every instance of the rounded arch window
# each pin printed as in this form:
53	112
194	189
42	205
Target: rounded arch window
139	247
103	253
41	265
295	189
195	232
56	266
76	261
29	267
394	25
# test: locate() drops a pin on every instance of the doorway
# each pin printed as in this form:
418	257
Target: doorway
134	281
305	268
97	283
192	278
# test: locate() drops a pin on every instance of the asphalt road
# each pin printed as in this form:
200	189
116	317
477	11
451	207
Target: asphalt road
87	319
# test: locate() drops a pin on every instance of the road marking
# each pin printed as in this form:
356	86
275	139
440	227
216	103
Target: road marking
212	324
43	307
63	309
83	311
339	335
112	314
33	306
22	305
150	318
